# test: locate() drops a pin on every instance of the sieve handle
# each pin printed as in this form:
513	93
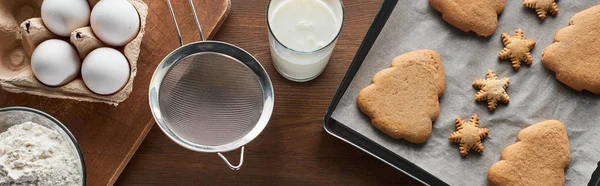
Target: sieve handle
177	26
229	164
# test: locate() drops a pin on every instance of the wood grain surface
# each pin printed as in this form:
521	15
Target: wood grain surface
108	135
293	149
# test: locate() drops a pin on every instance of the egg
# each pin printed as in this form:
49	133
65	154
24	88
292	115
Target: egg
105	71
55	62
61	17
115	22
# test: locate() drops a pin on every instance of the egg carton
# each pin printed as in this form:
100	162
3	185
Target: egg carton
15	67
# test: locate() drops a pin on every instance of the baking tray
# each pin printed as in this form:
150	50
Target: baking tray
338	130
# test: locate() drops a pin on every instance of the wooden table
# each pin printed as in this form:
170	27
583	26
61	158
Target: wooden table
293	149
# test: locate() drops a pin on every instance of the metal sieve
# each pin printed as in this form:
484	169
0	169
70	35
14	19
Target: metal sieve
210	96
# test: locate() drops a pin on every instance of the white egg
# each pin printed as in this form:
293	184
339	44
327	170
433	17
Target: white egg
105	71
115	22
63	16
55	62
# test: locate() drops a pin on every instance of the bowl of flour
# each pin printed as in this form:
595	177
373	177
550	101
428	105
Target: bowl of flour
36	149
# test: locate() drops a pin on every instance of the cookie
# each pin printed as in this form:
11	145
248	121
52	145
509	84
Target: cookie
403	100
479	16
574	55
468	135
516	48
492	89
542	7
539	157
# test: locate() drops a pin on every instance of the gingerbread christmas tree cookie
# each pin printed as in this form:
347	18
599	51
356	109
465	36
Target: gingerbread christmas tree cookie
542	7
516	48
492	89
468	135
539	157
403	100
574	55
479	16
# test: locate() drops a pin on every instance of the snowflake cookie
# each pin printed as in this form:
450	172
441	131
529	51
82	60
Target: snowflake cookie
468	135
542	7
516	48
492	89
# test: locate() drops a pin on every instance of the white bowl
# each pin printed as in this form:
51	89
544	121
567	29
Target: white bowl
11	116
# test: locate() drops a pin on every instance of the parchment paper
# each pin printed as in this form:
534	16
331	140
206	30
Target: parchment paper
535	93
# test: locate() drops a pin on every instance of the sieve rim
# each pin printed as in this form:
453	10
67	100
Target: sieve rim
227	50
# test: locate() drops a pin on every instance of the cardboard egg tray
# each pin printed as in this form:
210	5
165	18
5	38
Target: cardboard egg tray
15	69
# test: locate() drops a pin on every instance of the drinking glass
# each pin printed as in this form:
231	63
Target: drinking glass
297	65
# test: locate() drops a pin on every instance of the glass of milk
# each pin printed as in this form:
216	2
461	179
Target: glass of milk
302	34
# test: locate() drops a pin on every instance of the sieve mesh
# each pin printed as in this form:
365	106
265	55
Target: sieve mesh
210	99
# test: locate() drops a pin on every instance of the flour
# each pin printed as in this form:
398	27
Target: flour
31	154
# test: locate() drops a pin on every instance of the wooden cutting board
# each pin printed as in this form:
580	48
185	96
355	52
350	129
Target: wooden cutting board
108	135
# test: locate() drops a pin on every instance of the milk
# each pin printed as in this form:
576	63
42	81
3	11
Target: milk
302	35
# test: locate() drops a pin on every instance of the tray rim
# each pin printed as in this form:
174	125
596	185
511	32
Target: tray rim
336	129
